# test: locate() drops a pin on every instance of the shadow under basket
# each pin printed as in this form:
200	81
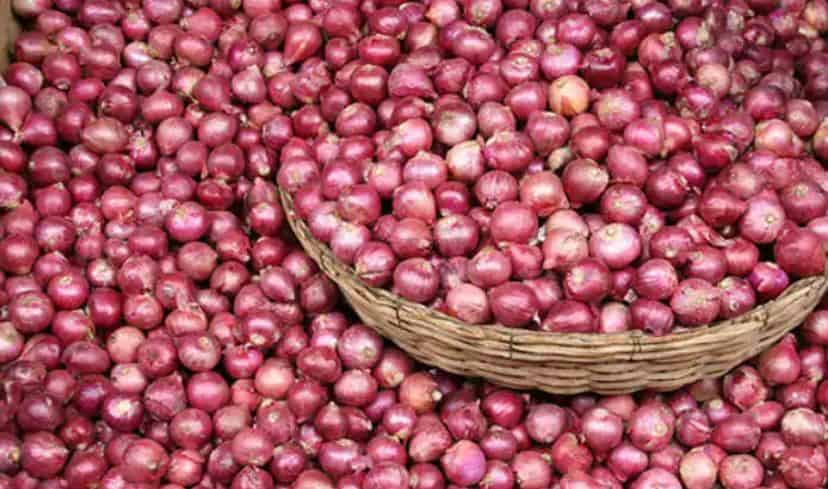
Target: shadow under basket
564	363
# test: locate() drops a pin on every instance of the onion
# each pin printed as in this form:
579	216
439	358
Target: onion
569	455
496	187
569	316
513	304
584	181
803	201
568	95
588	280
543	193
769	280
547	131
696	302
656	477
737	434
738	471
508	151
489	268
19	105
813	329
469	303
651	426
656	279
617	244
531	470
780	364
804	467
800	253
602	429
143	243
763	220
626	461
614	317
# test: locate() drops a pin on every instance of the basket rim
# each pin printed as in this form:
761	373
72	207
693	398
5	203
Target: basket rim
754	319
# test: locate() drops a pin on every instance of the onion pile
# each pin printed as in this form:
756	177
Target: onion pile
332	406
160	328
579	166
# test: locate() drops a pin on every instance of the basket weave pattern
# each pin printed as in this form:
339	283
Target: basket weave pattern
564	363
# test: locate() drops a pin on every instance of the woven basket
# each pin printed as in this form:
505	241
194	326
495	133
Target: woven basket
8	33
564	363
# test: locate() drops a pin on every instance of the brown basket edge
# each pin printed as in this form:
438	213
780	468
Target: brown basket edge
746	336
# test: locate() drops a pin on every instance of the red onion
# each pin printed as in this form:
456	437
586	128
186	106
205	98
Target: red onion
803	201
503	407
813	329
584	181
568	95
656	477
545	423
696	302
744	388
780	364
543	193
656	279
464	463
737	434
508	151
800	253
531	470
469	303
804	467
803	427
763	220
569	316
626	461
614	317
129	258
513	304
740	471
617	244
588	280
602	430
651	426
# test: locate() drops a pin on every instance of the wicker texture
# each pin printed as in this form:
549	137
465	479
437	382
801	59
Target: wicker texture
564	363
8	33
